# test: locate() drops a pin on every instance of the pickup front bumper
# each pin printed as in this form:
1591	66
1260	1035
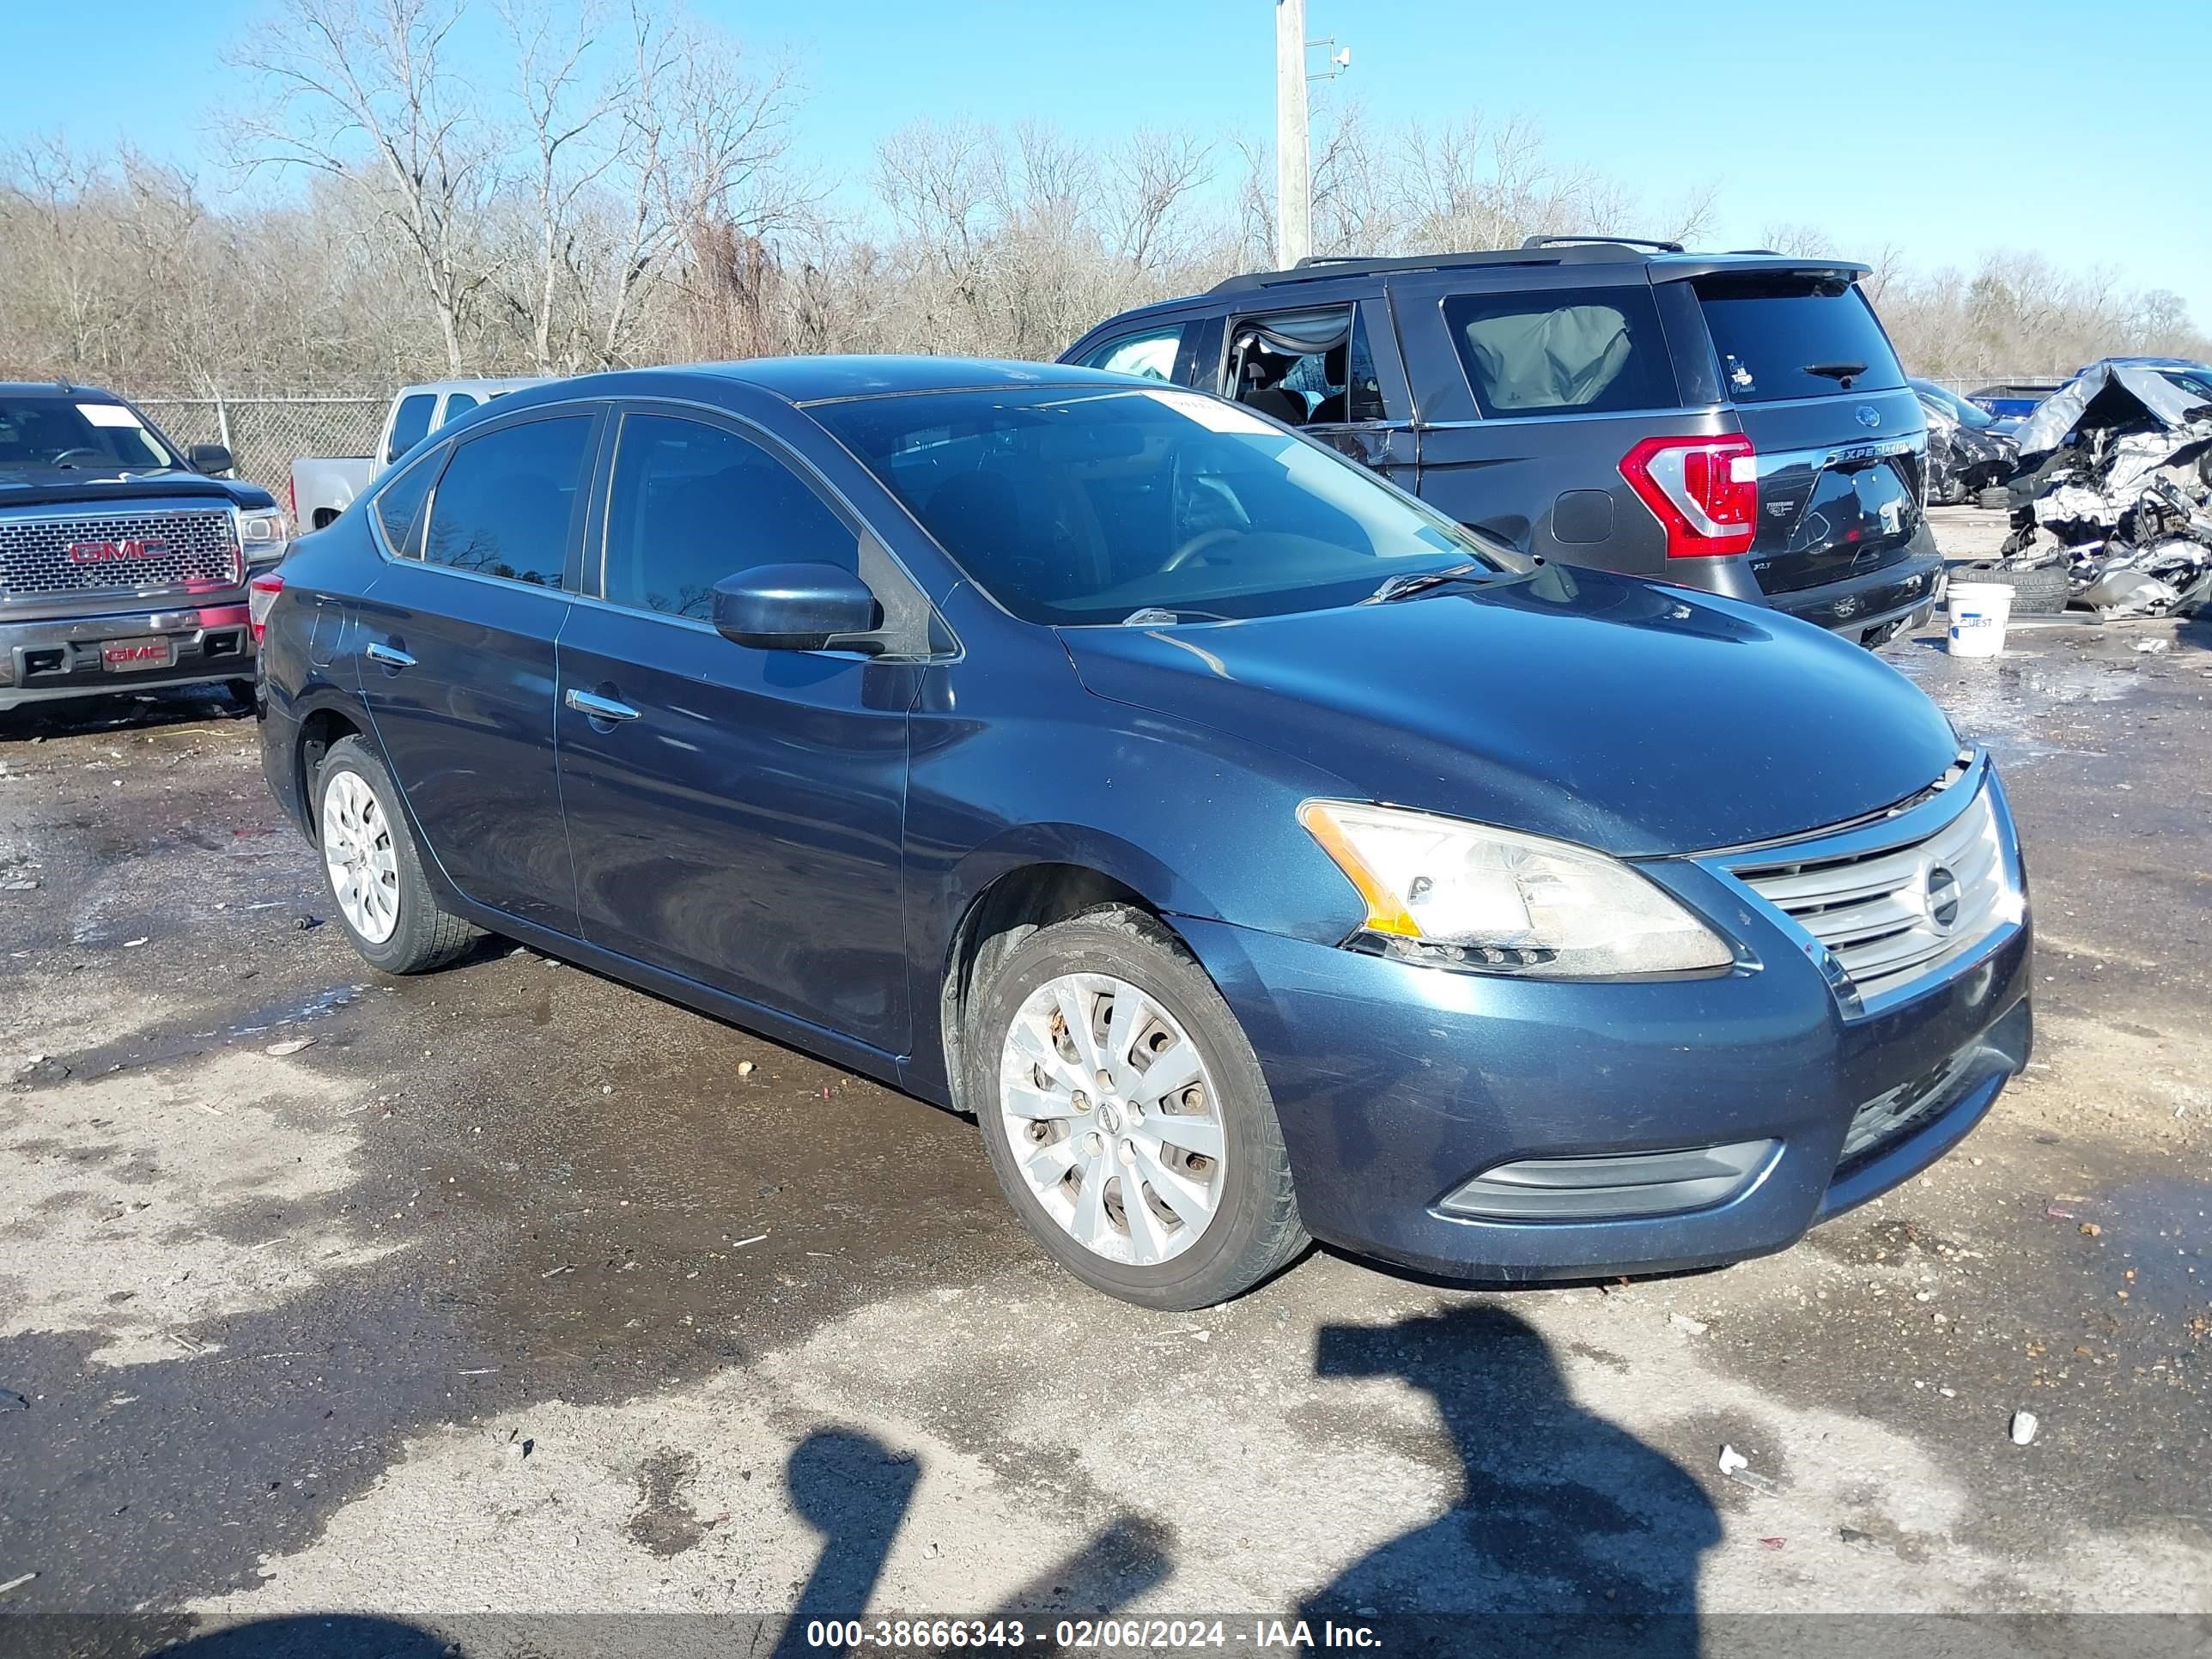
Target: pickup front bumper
46	658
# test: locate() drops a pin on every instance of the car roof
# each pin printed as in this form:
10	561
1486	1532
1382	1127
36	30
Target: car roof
822	380
89	394
438	388
1665	261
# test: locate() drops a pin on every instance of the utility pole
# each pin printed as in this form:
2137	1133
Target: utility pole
1293	178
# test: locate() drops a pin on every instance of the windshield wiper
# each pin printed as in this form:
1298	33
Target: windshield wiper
1418	581
1152	616
1844	371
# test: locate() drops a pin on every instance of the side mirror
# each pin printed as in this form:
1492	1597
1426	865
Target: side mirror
211	458
795	607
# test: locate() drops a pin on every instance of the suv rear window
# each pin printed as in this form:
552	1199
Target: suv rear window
1571	351
1773	333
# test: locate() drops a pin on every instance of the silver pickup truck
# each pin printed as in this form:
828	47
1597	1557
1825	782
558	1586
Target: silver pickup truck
125	559
323	486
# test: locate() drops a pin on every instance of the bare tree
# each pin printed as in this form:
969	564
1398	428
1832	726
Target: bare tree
702	153
360	90
563	110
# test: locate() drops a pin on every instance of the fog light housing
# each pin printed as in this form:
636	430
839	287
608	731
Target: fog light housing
1611	1185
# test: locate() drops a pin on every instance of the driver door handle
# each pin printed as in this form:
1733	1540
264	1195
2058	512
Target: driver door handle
598	707
389	655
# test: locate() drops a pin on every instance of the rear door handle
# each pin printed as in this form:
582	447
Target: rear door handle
389	655
598	707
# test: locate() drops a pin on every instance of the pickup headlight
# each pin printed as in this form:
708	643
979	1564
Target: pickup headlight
264	533
1467	896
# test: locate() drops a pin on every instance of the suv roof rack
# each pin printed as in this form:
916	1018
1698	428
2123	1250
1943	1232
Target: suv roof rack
1316	268
1578	241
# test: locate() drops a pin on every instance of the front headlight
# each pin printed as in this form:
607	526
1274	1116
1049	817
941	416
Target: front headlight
1468	896
263	533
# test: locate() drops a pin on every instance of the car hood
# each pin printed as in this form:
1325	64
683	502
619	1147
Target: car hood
1639	718
38	486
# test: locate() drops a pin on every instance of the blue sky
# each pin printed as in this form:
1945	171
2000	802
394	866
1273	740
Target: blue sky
1949	129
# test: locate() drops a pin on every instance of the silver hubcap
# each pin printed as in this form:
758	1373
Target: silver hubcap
1113	1118
357	850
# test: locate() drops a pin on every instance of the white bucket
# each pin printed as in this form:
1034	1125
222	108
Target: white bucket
1978	613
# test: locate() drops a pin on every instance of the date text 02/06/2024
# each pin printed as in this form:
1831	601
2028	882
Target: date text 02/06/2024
1086	1635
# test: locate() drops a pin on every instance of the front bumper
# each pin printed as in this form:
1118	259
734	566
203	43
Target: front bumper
46	659
1398	1083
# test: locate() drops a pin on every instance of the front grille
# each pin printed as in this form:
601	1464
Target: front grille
180	550
1893	913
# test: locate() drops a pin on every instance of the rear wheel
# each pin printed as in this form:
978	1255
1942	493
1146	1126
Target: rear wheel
1126	1115
374	870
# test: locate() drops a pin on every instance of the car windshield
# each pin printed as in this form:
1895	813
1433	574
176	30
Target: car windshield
45	433
1097	505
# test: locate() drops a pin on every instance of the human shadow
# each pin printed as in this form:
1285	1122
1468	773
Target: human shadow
1567	1532
854	1491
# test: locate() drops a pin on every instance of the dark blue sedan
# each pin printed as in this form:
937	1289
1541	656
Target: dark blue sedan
1256	854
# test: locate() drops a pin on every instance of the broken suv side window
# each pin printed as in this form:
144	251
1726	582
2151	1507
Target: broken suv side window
1586	351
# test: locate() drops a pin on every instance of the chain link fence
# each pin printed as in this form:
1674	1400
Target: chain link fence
266	435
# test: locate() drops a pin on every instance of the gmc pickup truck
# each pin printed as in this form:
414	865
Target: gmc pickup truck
323	486
125	559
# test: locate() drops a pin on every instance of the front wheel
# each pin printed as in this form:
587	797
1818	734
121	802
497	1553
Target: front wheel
373	869
1126	1115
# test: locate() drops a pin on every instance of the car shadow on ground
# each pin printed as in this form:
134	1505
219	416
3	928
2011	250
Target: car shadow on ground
121	711
1555	1513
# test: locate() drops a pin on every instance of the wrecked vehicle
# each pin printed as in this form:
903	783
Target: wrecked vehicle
1021	735
1966	453
2117	491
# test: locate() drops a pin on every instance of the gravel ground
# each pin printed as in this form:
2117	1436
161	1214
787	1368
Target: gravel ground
514	1293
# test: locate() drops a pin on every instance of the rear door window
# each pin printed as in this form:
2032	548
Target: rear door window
410	424
506	502
456	404
1563	351
1795	336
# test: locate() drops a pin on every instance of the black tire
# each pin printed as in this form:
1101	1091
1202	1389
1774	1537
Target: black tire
244	694
2041	591
1997	498
425	937
1254	1230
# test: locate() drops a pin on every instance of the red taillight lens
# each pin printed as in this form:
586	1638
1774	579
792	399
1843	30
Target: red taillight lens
1704	490
260	597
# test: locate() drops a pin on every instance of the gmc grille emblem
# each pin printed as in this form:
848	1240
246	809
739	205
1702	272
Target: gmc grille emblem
123	552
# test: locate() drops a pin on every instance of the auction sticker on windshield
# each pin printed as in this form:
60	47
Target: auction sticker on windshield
1213	413
108	415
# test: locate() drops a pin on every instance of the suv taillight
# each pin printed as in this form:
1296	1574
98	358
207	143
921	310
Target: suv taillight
1704	490
260	597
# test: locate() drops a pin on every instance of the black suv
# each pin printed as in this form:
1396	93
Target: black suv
1735	422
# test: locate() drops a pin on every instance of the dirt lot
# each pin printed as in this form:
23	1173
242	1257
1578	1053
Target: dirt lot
511	1294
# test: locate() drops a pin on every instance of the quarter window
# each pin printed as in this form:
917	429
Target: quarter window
1588	351
456	404
505	503
693	503
399	506
410	424
1151	356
